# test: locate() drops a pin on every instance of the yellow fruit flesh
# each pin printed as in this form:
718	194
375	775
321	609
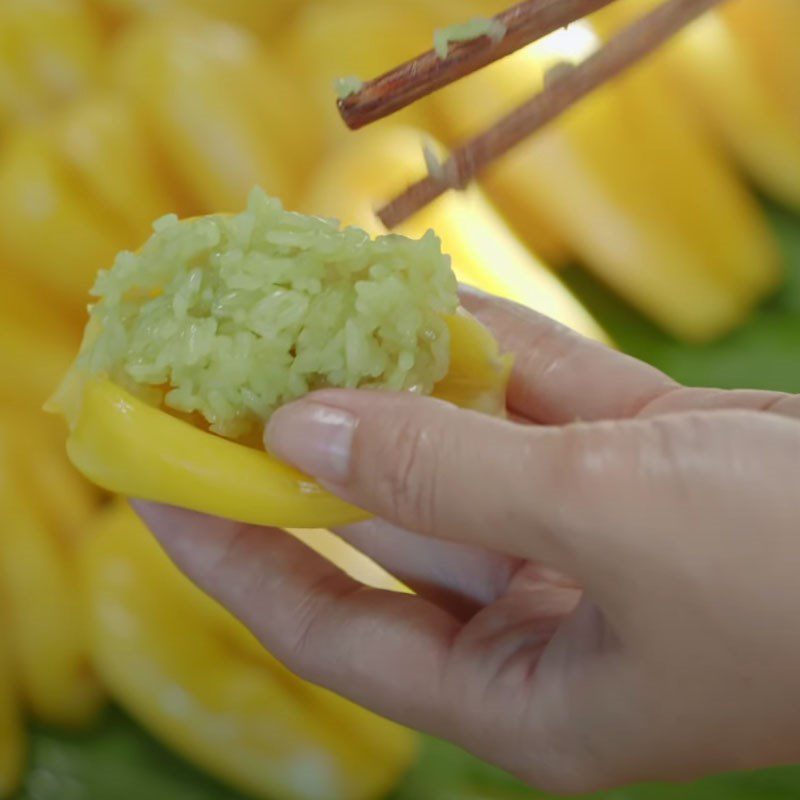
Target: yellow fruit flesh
719	221
220	112
201	682
37	195
768	31
103	146
51	501
263	17
37	341
36	363
66	502
614	185
12	731
741	67
90	179
737	69
33	307
348	559
46	626
126	446
49	55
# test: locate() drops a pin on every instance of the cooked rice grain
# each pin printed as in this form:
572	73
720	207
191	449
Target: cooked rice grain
233	316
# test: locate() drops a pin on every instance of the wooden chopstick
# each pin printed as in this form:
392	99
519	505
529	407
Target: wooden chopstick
621	52
524	23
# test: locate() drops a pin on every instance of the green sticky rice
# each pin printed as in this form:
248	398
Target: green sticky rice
231	316
466	32
345	87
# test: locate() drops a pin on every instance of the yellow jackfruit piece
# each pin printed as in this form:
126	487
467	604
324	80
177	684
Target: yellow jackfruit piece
633	187
199	680
45	621
50	53
222	114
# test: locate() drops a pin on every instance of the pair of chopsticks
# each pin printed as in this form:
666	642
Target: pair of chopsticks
524	23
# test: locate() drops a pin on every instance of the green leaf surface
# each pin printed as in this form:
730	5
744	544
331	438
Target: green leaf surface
117	760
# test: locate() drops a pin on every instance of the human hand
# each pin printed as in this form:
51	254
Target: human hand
606	588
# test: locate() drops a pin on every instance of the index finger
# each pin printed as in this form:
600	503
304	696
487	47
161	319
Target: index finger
437	470
560	376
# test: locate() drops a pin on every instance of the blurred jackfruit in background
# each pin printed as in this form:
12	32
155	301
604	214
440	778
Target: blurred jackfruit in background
737	71
115	112
204	685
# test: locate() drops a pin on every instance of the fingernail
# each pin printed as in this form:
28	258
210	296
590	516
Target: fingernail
316	439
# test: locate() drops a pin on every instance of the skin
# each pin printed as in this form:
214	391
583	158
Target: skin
607	585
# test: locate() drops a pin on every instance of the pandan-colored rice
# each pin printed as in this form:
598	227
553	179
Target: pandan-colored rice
230	317
466	32
344	87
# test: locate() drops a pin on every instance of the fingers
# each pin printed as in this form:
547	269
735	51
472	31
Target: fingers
392	653
588	500
435	469
684	399
450	474
559	376
383	650
459	578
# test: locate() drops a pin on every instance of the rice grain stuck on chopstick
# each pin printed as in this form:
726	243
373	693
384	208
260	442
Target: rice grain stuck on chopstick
467	32
347	86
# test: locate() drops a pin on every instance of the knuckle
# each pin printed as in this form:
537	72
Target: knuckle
603	459
551	348
578	466
230	556
670	458
596	469
671	400
785	405
560	765
691	449
409	485
302	637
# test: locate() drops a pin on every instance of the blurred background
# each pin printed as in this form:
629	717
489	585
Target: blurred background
662	215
